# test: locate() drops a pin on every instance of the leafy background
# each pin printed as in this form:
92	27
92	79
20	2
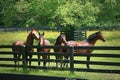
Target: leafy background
64	13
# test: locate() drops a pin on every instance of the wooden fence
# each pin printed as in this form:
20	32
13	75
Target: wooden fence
80	35
72	61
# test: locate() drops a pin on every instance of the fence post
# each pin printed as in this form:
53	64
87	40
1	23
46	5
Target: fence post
72	59
24	58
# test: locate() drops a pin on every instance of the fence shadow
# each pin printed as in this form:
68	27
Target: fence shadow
7	76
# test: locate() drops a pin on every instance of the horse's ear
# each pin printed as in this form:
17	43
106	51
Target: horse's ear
99	31
43	33
60	32
39	33
33	30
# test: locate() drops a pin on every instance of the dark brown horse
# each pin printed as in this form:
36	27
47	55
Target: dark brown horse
60	41
29	41
43	42
90	41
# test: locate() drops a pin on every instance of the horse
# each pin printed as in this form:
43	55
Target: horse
90	41
43	42
33	34
60	41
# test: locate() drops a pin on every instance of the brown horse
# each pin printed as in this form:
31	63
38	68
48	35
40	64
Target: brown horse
90	41
29	41
60	41
43	42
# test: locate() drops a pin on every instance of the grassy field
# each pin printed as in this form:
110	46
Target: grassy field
7	38
112	39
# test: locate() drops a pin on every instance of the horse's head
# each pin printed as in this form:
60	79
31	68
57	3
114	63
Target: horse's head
96	36
34	34
62	38
100	36
41	38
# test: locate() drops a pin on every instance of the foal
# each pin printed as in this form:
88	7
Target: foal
43	42
60	41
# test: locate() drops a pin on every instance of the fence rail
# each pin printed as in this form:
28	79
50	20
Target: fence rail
71	61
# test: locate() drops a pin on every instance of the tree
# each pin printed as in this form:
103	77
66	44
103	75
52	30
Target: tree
8	12
76	13
41	12
64	13
14	12
109	13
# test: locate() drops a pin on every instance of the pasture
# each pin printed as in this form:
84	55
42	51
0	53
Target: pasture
112	39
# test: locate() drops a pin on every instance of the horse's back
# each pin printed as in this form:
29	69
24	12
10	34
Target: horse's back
47	42
71	43
83	43
79	43
18	43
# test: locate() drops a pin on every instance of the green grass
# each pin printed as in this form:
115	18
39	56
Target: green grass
7	38
112	39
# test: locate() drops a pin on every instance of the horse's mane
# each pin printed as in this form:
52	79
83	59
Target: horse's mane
92	36
57	40
29	34
27	39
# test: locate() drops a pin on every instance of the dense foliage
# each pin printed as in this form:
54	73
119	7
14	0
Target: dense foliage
64	13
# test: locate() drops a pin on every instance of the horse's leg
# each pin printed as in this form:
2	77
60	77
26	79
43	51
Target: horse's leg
49	59
38	60
65	58
15	60
30	58
44	61
61	62
88	59
66	64
56	61
18	57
